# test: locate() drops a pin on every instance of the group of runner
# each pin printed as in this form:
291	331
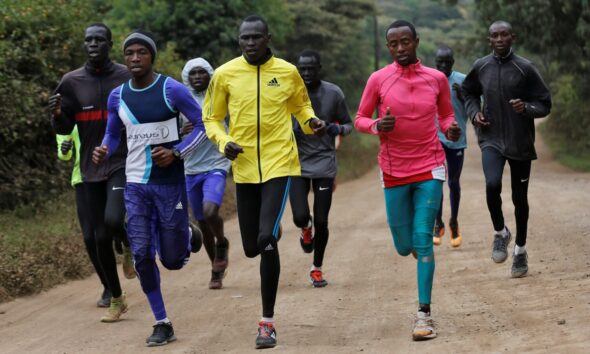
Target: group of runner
275	125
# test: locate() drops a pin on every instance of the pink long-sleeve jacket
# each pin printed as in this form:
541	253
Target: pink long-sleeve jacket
416	95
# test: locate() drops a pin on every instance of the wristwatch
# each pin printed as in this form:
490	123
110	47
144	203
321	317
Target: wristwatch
176	153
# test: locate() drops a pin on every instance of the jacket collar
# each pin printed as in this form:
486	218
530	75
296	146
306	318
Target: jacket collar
408	69
107	68
505	58
262	60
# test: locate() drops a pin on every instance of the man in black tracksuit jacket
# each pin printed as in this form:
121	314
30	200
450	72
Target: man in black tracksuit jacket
81	99
514	94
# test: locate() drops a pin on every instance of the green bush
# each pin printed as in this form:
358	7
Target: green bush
568	129
39	42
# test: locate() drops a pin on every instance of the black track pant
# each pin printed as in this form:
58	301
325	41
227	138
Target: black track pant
260	208
493	166
322	201
88	231
107	214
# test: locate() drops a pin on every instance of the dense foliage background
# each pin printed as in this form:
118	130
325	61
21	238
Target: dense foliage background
40	41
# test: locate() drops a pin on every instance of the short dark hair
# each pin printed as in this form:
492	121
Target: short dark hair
310	53
444	48
402	23
102	25
257	18
502	22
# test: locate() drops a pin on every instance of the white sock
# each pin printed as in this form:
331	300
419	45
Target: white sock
315	268
268	319
519	250
503	232
165	320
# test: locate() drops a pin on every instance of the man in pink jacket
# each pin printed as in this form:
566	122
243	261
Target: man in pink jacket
409	97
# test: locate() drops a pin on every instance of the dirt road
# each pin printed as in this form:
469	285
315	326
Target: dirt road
369	303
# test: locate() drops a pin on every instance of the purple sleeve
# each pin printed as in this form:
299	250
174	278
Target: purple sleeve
180	98
112	136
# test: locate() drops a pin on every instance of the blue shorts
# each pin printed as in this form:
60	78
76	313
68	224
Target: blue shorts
157	222
205	187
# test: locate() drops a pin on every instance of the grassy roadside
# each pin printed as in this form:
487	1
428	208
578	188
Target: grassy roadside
42	247
570	156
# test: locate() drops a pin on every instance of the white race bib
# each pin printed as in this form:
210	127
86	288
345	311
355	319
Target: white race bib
152	133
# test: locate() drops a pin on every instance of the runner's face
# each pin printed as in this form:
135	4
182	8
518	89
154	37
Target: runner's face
402	45
309	69
138	60
253	40
96	44
199	79
501	38
444	62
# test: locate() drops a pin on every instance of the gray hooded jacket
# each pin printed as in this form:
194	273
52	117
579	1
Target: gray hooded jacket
206	157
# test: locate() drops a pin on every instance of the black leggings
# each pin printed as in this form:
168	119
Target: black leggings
260	208
493	166
82	207
107	216
455	158
322	201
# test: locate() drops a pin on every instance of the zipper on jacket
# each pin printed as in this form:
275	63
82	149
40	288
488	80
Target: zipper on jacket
258	121
502	116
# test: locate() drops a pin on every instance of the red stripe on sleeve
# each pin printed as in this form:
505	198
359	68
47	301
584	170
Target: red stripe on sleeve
90	116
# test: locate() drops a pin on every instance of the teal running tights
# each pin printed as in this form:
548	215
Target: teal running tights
411	210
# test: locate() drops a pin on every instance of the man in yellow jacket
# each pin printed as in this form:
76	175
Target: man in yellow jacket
260	92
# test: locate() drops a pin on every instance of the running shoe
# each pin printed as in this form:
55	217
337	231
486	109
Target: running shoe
500	246
316	278
163	334
438	232
105	298
221	257
267	335
196	238
456	238
117	308
216	281
423	327
128	268
520	265
306	238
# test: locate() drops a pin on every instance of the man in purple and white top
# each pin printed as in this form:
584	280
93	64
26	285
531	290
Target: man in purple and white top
148	107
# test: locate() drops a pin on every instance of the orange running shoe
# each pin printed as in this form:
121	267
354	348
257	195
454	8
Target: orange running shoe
456	238
306	239
316	278
267	335
437	234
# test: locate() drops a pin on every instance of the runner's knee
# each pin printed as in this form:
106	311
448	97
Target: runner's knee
494	185
174	263
251	252
301	219
211	216
267	243
320	224
454	184
146	268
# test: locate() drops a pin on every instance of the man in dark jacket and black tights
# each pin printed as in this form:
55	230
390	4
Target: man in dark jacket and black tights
81	99
514	94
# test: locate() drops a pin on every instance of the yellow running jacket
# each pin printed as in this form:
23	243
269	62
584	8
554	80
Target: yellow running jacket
260	100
